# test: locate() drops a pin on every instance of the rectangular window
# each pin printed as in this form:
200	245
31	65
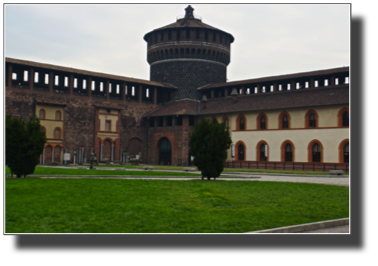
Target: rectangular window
147	93
65	81
110	88
326	82
133	91
75	83
36	77
117	90
306	84
84	84
56	80
26	75
107	125
14	76
101	86
316	83
46	78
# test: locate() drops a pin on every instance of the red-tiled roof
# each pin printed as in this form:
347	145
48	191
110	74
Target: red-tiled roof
335	95
89	73
180	107
276	78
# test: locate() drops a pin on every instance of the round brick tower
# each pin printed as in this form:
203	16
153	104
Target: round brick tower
188	54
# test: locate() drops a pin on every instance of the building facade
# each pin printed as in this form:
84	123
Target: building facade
301	118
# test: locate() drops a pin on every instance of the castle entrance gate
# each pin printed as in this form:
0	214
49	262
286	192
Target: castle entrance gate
165	152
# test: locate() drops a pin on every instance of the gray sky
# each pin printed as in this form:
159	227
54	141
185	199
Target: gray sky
269	39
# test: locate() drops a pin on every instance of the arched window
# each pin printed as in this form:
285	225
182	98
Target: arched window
312	120
242	124
262	122
58	115
57	133
241	152
226	122
346	119
42	114
285	122
316	153
288	153
263	153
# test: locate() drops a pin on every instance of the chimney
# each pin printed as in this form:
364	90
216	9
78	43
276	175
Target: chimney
234	95
204	102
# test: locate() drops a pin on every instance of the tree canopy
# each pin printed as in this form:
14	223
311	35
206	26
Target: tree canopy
24	144
209	143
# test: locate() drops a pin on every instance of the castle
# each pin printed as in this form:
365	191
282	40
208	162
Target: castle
293	121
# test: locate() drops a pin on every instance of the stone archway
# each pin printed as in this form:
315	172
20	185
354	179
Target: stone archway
107	150
165	152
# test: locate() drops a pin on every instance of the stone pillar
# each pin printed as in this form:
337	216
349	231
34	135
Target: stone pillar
258	88
51	81
275	88
31	78
311	84
225	92
70	84
123	91
140	90
242	90
89	87
155	95
293	85
332	81
107	89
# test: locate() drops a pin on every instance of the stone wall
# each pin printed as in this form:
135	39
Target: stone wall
79	117
188	75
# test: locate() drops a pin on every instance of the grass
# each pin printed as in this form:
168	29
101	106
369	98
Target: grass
83	205
73	171
163	167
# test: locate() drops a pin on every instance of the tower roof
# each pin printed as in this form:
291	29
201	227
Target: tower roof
188	21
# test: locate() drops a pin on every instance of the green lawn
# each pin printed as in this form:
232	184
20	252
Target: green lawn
73	171
36	205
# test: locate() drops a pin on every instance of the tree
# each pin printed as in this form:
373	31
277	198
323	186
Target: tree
24	144
209	143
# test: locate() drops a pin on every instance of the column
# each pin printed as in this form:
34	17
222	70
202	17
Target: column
293	85
107	89
70	84
332	81
89	87
140	93
275	88
225	92
31	78
258	88
123	91
51	81
311	85
242	90
155	95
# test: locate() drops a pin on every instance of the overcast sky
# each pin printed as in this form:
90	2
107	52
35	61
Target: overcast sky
269	39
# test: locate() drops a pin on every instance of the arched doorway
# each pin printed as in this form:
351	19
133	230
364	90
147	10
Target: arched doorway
288	153
57	151
48	154
165	152
316	153
106	150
